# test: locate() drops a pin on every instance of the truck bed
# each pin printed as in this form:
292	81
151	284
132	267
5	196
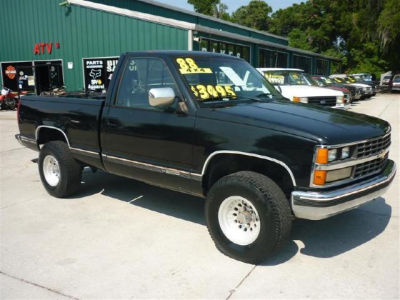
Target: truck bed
77	118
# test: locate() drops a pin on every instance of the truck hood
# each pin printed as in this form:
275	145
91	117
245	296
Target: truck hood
290	91
324	125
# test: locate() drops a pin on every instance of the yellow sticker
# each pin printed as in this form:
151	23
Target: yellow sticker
189	66
205	92
275	78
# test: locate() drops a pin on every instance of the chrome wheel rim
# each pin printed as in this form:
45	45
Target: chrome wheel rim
51	170
239	220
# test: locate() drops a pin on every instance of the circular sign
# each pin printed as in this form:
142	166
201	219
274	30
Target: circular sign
11	72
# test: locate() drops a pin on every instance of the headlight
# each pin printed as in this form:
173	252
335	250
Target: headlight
345	153
340	99
324	155
332	155
300	99
327	156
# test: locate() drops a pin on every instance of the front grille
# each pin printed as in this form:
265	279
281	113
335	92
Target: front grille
369	167
325	101
373	146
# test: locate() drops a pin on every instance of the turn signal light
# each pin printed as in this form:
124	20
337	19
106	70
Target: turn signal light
319	177
322	156
296	99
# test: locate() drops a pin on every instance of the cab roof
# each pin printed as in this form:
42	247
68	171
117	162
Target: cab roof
174	53
279	69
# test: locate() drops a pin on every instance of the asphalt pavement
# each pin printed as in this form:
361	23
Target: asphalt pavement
122	239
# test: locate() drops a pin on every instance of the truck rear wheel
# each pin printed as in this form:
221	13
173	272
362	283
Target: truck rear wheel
60	173
248	216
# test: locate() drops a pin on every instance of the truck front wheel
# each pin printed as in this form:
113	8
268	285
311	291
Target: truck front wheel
60	173
248	216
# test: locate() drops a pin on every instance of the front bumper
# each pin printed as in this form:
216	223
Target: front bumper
317	205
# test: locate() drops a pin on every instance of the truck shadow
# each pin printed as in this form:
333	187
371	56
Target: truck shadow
323	239
336	235
178	205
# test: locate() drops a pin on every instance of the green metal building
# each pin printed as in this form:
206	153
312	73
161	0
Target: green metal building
76	43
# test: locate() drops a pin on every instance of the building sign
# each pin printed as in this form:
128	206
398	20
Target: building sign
98	72
42	48
10	72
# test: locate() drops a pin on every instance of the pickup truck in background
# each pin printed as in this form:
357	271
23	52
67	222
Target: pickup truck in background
210	125
297	86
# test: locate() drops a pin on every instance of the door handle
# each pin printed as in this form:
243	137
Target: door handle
75	121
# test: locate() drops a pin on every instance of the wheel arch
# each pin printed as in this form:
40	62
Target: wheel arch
46	133
222	163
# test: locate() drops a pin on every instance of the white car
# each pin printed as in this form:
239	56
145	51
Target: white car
296	86
396	83
366	89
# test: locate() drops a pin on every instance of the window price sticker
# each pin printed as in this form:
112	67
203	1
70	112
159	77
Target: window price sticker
205	92
188	66
275	78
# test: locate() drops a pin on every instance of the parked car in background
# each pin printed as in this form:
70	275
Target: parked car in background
386	84
366	89
348	91
357	91
295	86
366	78
396	83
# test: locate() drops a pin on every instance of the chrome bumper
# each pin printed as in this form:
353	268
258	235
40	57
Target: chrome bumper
315	205
345	106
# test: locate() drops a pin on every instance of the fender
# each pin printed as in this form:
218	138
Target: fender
281	163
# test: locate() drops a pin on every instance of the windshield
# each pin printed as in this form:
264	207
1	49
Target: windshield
338	80
363	77
214	79
287	77
314	81
347	80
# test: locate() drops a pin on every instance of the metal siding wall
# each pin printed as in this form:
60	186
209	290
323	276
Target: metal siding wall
81	32
177	15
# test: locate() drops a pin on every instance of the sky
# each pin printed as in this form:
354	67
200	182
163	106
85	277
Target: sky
233	4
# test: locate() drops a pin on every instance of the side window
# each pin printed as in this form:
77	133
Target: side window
141	75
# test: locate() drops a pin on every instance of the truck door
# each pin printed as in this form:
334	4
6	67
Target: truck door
141	141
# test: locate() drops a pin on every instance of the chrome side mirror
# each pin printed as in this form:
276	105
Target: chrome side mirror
161	97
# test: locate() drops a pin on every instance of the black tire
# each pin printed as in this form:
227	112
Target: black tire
273	209
70	171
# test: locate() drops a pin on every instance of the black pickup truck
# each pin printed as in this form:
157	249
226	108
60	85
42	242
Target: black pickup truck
210	125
